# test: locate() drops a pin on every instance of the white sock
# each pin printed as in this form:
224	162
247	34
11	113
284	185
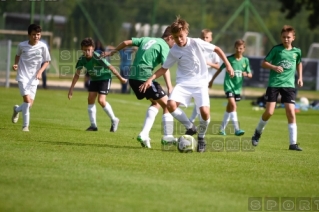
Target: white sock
233	117
202	129
19	109
182	118
108	110
149	121
26	114
168	124
92	115
194	115
292	128
261	125
225	121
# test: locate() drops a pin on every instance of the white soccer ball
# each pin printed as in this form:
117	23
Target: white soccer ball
186	144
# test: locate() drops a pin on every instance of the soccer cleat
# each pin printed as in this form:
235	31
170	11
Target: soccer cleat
191	131
166	140
222	132
91	128
15	115
114	124
239	132
25	129
144	142
201	145
255	138
294	147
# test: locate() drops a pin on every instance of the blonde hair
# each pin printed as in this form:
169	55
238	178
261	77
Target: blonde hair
179	25
204	32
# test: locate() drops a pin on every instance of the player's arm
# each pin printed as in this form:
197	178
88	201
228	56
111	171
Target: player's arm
299	71
148	83
167	78
116	73
213	65
222	56
74	80
43	67
122	45
16	61
268	65
210	84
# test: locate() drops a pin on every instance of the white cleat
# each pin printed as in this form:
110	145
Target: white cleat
145	142
15	115
114	124
25	129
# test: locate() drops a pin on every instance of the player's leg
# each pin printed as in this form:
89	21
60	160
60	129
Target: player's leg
194	115
93	91
271	97
181	95
104	87
201	98
288	98
233	114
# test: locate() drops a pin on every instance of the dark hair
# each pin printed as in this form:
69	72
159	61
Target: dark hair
167	32
87	42
179	25
239	42
287	28
34	27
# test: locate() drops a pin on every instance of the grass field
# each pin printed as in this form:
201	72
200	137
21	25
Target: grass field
58	166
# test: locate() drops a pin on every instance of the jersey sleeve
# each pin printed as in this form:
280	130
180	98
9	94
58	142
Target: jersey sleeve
19	50
208	47
45	54
164	54
169	62
79	65
222	66
270	56
247	69
137	41
299	57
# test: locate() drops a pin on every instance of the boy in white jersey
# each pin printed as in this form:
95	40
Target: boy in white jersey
233	86
283	60
191	79
212	60
27	63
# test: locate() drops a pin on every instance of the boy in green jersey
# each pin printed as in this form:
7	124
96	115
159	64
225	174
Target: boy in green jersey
151	52
233	85
99	71
282	60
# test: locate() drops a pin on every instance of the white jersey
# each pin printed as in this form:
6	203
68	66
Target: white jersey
191	62
213	58
30	61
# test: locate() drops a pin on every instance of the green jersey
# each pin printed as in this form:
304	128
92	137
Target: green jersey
96	67
151	52
235	84
288	60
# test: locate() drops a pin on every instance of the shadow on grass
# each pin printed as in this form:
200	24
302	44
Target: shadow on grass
94	145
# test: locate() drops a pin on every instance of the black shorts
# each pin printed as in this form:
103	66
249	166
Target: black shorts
100	86
154	92
233	95
288	95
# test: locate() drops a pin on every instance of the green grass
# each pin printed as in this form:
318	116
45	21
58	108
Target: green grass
57	166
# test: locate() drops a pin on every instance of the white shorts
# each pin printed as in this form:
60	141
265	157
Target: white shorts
27	89
184	95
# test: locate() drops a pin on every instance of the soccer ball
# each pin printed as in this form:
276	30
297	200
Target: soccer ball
186	144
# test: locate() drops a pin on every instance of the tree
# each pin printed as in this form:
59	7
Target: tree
295	6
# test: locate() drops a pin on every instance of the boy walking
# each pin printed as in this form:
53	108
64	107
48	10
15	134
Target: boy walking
282	60
233	86
27	63
151	52
99	71
191	79
212	61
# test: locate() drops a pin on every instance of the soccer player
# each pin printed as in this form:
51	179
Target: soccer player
282	60
151	52
27	63
233	85
212	60
191	79
99	71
